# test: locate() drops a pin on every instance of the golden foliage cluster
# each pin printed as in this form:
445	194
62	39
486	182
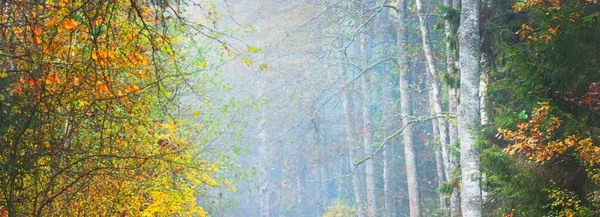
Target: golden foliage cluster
84	132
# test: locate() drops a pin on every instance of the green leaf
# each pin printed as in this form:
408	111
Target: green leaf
263	66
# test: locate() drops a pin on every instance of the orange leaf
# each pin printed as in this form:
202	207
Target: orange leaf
37	30
553	30
132	88
70	24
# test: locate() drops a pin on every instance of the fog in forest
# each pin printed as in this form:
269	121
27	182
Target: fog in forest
281	108
327	131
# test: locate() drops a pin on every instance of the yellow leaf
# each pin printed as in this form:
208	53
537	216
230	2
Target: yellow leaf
252	49
196	113
247	61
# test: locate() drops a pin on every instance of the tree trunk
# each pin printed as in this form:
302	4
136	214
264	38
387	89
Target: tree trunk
389	116
367	135
439	168
300	208
483	111
263	150
351	140
439	125
435	88
409	149
388	120
468	117
407	135
452	161
452	104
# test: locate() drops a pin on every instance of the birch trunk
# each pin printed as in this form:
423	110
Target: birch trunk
409	149
469	117
435	88
440	129
351	140
407	135
483	111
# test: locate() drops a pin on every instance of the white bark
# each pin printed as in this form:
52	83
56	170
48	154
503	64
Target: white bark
440	128
439	160
483	110
483	96
407	135
409	149
434	78
469	117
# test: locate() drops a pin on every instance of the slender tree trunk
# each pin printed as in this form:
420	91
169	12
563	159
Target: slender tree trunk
435	87
469	117
367	134
482	94
300	188
450	159
367	137
263	150
388	120
407	135
439	125
439	168
264	186
483	110
388	205
321	167
409	149
323	186
351	140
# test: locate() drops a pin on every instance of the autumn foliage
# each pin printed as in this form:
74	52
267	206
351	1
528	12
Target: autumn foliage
85	130
535	139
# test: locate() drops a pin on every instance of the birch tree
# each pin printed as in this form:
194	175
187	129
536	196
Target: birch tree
439	125
469	117
407	135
